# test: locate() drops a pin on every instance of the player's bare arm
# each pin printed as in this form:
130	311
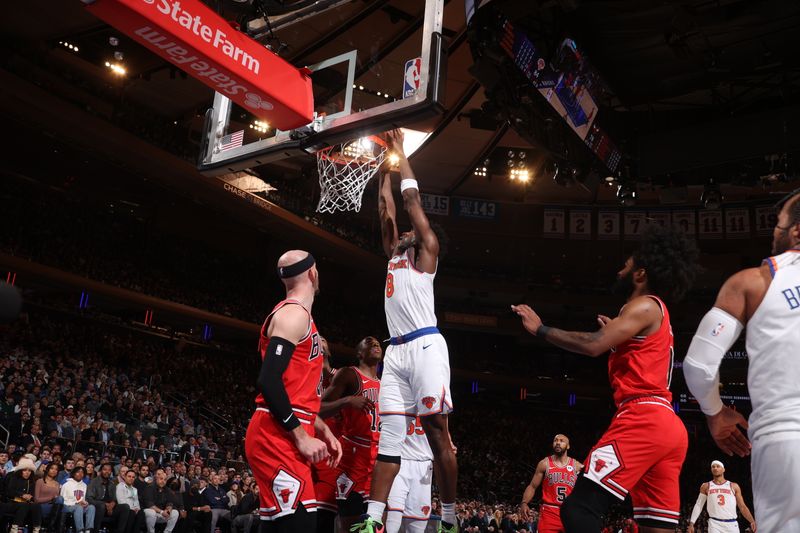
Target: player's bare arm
340	394
530	490
290	323
324	433
387	213
743	507
641	316
428	242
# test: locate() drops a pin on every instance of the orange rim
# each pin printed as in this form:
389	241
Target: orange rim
325	152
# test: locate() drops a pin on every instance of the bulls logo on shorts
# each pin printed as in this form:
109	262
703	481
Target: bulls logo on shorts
344	485
286	489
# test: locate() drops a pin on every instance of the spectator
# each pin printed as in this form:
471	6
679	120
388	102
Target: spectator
161	505
20	488
73	491
127	494
234	495
102	495
246	512
198	509
218	500
4	461
47	493
65	474
142	482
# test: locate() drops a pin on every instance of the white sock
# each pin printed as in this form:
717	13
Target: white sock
449	513
394	519
375	510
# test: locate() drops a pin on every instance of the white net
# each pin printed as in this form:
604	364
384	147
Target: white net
344	171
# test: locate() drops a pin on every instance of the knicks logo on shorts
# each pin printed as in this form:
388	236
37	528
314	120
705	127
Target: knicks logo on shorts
428	401
426	510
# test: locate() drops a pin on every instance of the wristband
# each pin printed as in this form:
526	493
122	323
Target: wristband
542	331
408	184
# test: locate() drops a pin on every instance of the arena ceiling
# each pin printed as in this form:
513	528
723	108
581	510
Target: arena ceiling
697	88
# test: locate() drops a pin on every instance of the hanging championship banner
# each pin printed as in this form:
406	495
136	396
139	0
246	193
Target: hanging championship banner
686	221
662	218
580	225
710	224
766	219
635	222
608	225
435	204
553	224
737	223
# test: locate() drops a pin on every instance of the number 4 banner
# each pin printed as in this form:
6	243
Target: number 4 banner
608	225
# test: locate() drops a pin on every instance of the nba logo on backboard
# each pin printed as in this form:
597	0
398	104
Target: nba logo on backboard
411	79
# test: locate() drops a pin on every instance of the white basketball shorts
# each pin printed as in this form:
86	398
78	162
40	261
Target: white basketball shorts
416	378
775	464
715	526
411	490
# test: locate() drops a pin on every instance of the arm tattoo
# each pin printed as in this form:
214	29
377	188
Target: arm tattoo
574	341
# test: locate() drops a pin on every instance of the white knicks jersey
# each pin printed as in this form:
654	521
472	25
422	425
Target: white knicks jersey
773	348
415	446
408	298
721	502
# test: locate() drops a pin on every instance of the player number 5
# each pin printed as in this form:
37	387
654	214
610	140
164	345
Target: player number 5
561	493
389	285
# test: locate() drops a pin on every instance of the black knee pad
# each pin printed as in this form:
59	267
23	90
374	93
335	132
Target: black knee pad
354	505
301	521
585	508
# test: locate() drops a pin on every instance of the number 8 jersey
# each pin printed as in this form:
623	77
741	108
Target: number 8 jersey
408	298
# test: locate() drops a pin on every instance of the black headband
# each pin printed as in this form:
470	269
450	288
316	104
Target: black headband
296	268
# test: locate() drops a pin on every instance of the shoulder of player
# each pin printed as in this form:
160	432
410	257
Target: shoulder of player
347	377
735	488
748	278
291	322
642	307
543	464
704	488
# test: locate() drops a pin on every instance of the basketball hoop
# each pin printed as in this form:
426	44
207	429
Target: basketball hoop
344	171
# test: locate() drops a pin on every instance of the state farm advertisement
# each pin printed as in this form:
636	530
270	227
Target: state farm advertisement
195	39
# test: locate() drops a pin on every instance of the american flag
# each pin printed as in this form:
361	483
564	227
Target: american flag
231	141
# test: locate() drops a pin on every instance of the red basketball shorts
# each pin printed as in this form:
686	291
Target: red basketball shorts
355	469
282	474
325	486
641	454
550	519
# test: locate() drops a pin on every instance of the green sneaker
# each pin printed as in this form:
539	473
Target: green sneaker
447	529
367	525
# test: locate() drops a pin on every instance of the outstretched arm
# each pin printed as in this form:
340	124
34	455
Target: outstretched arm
637	317
743	507
387	213
428	242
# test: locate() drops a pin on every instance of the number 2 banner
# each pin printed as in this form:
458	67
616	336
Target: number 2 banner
580	225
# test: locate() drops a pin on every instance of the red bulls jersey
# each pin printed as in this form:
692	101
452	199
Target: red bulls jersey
358	425
642	366
558	481
303	376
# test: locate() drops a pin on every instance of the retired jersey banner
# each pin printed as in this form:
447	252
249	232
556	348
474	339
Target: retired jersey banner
554	224
435	204
580	225
710	224
686	221
766	219
635	221
662	218
608	225
194	38
737	223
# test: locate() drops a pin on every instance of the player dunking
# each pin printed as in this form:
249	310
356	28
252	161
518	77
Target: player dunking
642	451
721	498
557	474
765	300
324	474
354	395
280	443
416	374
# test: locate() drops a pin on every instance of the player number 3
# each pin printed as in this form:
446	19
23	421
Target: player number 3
389	285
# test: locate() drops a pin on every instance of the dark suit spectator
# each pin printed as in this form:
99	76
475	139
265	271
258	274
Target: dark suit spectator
198	509
218	500
102	494
161	504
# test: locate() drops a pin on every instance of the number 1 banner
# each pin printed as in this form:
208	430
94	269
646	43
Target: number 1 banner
554	224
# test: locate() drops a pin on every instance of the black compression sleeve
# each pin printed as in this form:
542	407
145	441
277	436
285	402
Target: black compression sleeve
270	382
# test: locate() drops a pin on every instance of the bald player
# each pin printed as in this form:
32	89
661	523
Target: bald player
765	300
721	498
285	436
556	474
